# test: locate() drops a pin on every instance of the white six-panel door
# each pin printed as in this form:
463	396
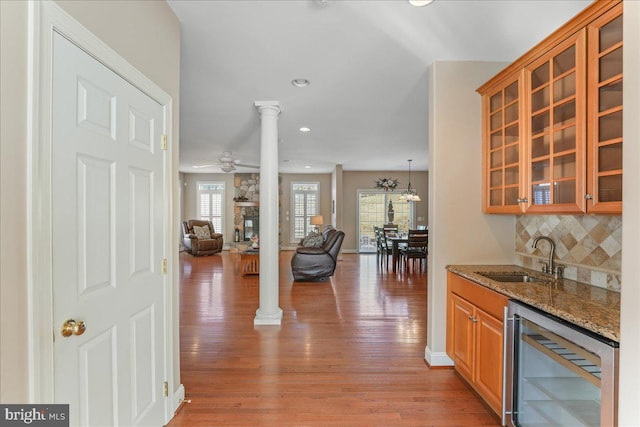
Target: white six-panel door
107	230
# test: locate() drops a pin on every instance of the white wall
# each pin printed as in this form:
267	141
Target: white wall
145	33
361	180
629	390
459	233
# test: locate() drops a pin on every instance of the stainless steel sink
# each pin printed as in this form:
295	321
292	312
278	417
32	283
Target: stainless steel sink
512	277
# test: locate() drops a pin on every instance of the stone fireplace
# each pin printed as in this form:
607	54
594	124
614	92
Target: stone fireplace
246	204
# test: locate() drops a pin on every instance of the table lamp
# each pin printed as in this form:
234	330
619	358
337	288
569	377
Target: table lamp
317	220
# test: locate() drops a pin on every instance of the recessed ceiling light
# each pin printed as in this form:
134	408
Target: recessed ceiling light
305	129
300	82
420	3
307	167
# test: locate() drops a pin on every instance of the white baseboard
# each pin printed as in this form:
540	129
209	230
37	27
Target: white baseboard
434	358
178	397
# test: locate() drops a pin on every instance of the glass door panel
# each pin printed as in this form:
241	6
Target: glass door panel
610	126
540	76
564	191
557	115
540	146
540	99
610	96
496	139
496	120
496	102
610	34
558	382
610	157
540	123
511	195
611	64
564	62
496	178
564	139
511	175
502	157
610	188
373	210
564	87
565	166
511	155
564	114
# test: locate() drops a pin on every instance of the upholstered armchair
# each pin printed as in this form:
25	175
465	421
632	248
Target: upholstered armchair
200	238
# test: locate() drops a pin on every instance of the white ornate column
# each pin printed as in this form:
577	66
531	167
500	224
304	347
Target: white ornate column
269	311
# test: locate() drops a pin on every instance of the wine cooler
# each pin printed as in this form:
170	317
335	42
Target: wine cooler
557	374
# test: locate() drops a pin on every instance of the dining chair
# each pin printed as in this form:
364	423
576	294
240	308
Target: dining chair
416	249
383	250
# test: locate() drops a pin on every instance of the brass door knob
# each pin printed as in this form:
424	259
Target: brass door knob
72	327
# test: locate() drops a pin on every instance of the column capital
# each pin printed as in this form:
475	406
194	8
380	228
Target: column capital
268	106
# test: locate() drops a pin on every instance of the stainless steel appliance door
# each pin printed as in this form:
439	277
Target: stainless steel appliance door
557	373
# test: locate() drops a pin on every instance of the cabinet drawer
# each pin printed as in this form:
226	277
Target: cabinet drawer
484	298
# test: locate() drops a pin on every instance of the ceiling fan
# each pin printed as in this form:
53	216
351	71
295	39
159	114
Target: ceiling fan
227	163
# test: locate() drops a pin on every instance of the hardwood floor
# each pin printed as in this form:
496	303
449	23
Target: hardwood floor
349	352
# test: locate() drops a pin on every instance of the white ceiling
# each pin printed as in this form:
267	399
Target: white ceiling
367	62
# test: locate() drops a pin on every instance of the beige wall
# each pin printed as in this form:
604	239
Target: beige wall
346	203
285	202
459	233
147	34
189	200
190	191
354	181
13	202
629	390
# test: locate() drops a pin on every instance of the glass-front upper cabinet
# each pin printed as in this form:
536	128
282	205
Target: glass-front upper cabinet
604	186
503	152
556	116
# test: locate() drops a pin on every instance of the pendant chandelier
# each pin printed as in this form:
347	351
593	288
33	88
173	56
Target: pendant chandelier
410	195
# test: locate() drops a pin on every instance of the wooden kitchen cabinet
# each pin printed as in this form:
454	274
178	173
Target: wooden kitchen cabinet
503	150
604	186
569	124
475	337
556	92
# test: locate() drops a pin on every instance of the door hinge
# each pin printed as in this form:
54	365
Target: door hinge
165	389
164	267
165	141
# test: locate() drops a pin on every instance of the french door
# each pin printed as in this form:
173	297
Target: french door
373	210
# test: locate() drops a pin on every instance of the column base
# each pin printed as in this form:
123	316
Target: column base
437	358
268	318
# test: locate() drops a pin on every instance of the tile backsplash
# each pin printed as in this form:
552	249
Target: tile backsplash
590	246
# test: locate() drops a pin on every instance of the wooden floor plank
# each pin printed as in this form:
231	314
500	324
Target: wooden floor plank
349	352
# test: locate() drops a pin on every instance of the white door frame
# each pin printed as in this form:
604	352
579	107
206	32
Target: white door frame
45	17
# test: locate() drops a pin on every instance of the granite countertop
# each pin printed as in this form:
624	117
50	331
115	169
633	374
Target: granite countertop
590	307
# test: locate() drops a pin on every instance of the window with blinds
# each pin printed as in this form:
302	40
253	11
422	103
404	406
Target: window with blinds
305	203
210	203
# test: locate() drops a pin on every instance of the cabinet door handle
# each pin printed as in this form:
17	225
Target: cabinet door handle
522	200
588	196
473	319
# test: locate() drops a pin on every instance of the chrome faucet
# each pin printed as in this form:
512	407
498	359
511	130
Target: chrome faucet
549	267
